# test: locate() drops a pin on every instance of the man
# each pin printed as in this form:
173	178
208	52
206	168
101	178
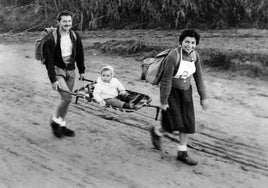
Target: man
60	58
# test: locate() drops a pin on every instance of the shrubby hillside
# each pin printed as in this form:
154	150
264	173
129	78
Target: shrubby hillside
30	15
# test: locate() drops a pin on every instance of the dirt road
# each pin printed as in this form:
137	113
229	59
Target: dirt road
113	149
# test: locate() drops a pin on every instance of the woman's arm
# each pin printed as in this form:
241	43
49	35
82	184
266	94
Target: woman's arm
198	77
167	77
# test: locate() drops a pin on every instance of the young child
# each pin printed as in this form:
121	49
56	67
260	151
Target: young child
110	91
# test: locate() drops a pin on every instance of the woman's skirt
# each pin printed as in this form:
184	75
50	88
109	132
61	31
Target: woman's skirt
180	114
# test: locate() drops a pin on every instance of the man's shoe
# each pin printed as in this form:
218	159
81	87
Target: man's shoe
156	140
184	157
67	132
56	129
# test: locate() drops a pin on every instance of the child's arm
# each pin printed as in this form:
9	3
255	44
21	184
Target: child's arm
121	89
97	95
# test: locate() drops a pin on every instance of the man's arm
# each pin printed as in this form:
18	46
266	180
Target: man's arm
48	48
80	55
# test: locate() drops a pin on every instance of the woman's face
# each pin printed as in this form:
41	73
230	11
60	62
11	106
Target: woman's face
188	44
106	76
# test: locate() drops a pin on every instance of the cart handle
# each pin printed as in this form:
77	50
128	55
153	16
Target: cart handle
88	80
72	93
157	110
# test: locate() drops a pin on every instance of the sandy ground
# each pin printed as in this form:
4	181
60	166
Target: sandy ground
113	149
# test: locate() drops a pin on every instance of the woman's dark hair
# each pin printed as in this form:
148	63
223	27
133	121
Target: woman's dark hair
64	13
189	33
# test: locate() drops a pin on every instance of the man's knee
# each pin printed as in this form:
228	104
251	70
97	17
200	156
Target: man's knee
67	99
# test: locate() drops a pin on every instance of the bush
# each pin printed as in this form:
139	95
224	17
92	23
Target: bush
164	14
218	59
127	47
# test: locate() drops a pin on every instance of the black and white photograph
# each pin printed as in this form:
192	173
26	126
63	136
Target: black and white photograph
133	93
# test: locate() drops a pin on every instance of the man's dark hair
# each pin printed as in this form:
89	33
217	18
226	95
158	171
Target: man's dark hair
64	13
189	33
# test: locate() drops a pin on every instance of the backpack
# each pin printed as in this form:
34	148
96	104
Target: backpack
39	43
153	68
44	36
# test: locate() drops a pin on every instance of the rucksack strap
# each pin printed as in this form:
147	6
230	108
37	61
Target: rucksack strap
74	34
177	62
55	36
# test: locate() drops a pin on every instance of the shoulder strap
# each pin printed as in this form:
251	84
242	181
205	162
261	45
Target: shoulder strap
194	55
73	33
179	58
55	36
177	61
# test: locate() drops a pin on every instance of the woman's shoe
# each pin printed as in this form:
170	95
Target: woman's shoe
67	132
156	139
184	157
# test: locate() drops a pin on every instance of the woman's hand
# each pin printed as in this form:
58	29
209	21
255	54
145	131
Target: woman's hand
81	76
164	106
204	103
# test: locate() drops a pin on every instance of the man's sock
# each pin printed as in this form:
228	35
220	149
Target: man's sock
182	147
57	120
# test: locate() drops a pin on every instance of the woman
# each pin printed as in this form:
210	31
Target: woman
176	94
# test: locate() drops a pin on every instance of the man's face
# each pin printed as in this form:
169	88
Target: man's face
65	23
106	76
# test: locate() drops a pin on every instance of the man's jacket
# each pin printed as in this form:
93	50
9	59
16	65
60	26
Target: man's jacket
52	54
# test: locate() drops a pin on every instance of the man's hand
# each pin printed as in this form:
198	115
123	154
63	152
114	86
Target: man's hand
164	106
56	85
204	103
81	76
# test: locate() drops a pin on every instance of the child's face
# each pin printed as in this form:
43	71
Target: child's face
106	76
188	44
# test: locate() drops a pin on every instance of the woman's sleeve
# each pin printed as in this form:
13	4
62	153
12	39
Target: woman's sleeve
198	77
167	77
